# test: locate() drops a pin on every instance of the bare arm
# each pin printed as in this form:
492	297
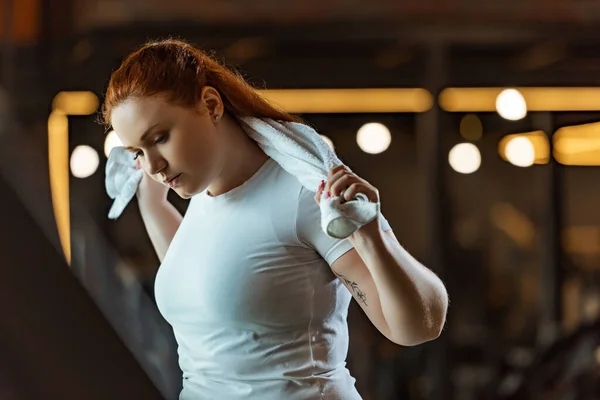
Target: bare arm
161	220
160	217
405	301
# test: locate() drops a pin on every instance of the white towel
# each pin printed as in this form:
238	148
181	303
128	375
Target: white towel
296	147
302	152
122	179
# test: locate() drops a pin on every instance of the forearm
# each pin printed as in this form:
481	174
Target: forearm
161	220
413	299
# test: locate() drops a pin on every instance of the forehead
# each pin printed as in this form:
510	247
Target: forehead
131	118
136	111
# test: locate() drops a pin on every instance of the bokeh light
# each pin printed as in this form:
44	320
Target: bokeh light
111	141
84	161
520	152
464	158
511	105
373	138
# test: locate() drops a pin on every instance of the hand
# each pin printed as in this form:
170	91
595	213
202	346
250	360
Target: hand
149	189
341	178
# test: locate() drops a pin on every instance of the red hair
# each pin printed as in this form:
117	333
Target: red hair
179	71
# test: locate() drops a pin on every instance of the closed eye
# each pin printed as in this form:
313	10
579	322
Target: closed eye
160	139
137	154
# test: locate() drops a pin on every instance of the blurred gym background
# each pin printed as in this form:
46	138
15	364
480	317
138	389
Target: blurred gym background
477	121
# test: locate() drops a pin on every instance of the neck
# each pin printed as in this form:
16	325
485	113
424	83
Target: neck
242	159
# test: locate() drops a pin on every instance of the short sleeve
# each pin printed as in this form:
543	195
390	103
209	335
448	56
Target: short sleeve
309	232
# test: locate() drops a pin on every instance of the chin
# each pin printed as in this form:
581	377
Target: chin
185	194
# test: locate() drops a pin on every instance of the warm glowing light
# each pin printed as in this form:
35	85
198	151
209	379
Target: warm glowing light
483	99
351	100
76	103
58	164
539	141
111	141
464	158
64	104
510	104
373	138
520	152
84	161
577	145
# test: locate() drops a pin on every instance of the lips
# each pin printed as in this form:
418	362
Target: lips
173	181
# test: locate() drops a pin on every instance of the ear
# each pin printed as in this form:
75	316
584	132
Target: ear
212	101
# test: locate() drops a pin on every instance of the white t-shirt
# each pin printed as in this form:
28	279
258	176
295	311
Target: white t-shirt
246	285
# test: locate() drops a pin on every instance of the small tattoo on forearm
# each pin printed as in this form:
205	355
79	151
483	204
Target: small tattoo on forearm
360	295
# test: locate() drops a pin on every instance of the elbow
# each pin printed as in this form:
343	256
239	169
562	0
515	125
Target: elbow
434	330
430	326
419	337
415	338
436	317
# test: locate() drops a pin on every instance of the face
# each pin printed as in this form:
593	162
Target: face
170	142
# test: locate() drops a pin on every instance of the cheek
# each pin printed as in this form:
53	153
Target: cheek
195	146
203	149
146	167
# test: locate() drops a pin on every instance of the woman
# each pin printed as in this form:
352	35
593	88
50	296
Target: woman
248	278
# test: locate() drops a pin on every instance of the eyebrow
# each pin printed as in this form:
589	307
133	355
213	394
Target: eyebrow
144	136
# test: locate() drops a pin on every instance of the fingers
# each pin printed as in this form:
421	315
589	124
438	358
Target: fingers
337	169
352	191
340	178
319	192
340	184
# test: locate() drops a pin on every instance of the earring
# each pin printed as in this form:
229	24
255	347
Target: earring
217	117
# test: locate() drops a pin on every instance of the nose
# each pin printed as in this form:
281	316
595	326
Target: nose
155	164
